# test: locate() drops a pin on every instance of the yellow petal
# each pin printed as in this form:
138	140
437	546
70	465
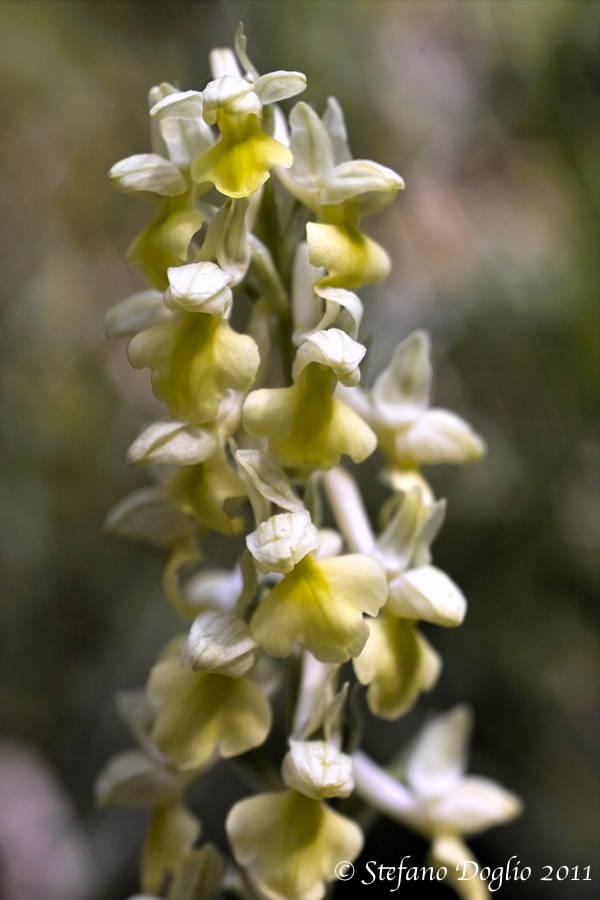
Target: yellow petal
397	663
201	714
320	605
289	844
208	493
306	425
240	163
351	258
171	834
199	875
165	242
195	358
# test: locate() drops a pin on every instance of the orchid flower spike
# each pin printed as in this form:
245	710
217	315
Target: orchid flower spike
278	570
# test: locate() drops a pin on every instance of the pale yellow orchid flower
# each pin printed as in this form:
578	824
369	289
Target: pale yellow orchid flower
410	432
339	190
201	715
242	159
289	844
306	425
397	663
195	356
438	799
178	135
320	603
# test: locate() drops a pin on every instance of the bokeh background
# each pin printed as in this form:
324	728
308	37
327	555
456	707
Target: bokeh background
490	111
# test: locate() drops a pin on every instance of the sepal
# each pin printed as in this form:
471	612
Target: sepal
220	643
147	172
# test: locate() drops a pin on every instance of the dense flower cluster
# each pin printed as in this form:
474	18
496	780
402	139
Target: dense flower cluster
258	217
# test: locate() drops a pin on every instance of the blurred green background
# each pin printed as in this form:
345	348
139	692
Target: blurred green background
490	111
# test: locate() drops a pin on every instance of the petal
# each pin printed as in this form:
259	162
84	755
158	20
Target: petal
355	397
351	258
320	605
383	791
354	437
315	697
369	185
473	805
405	480
438	755
438	436
402	390
166	241
155	94
226	240
449	851
307	308
209	492
136	313
330	543
281	541
135	779
147	172
137	713
182	127
397	663
199	875
333	349
214	589
195	360
266	483
172	443
342	307
396	543
289	844
199	287
222	62
229	90
312	156
347	506
427	593
281	85
171	834
240	163
335	125
240	44
201	714
435	513
148	514
317	769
